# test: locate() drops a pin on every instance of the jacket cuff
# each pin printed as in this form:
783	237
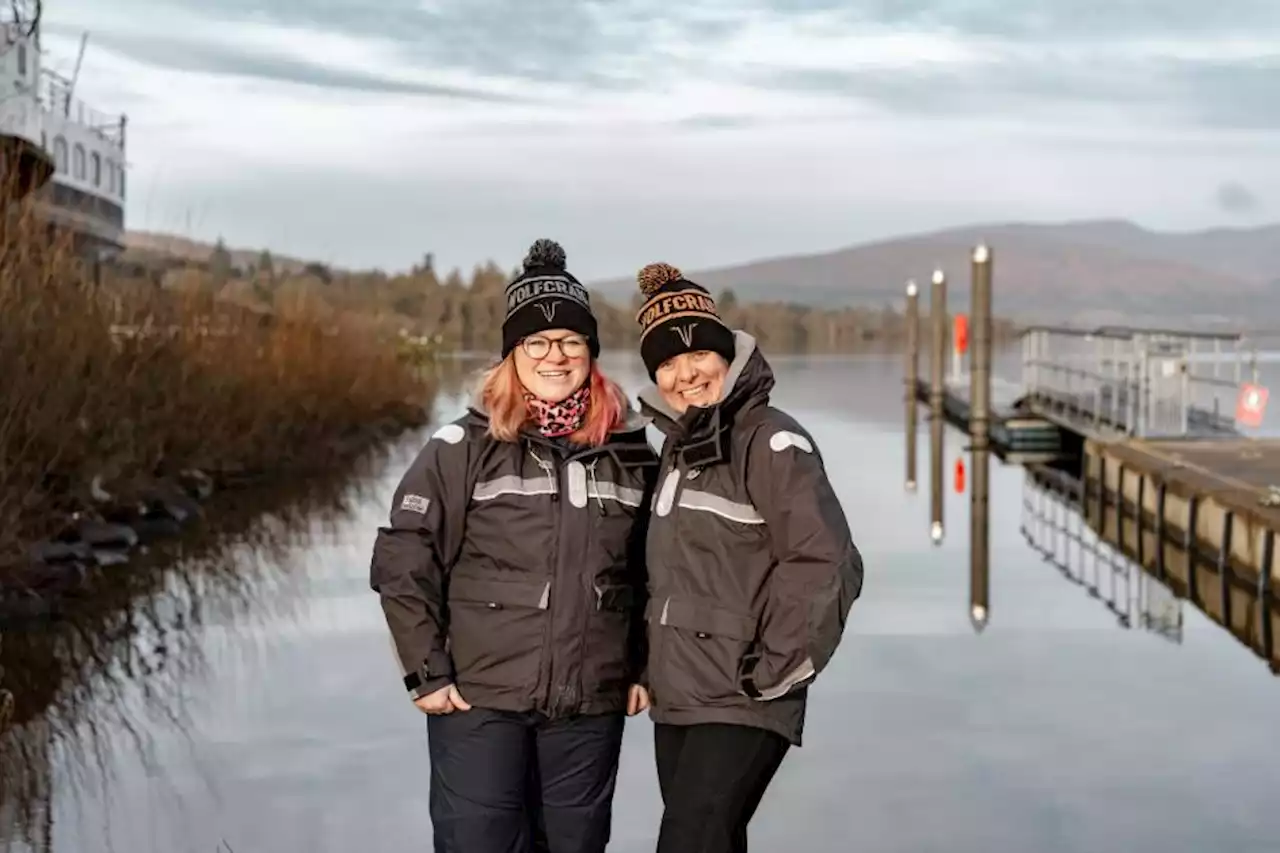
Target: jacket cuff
799	677
422	687
436	672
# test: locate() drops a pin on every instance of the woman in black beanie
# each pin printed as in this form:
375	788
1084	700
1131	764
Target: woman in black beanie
752	568
511	575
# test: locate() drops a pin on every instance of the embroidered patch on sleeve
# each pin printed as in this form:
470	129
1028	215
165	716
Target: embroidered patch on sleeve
415	503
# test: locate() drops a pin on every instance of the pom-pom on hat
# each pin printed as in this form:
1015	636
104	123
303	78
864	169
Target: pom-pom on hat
545	296
678	316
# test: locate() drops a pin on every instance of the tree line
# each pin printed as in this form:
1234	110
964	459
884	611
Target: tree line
461	311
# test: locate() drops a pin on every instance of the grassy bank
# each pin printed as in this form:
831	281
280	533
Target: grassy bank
118	386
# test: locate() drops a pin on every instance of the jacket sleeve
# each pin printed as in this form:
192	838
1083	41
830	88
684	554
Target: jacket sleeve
413	553
818	570
638	645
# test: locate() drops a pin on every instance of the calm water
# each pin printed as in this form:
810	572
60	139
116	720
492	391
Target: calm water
279	724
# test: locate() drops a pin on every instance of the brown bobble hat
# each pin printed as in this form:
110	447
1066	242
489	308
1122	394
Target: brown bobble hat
678	316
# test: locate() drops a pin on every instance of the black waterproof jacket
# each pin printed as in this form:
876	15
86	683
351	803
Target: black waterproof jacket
516	569
752	568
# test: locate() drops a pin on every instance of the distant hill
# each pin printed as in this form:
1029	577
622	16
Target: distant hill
1249	253
1104	271
1087	272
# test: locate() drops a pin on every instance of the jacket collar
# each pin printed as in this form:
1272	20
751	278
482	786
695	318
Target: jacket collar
702	434
627	441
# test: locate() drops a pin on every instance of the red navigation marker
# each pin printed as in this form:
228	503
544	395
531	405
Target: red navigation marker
961	333
959	479
1251	405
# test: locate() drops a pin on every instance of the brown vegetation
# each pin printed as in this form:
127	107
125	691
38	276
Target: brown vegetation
127	383
238	363
461	313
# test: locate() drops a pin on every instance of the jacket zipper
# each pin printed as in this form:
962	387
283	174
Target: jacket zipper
592	600
660	636
549	467
592	594
553	693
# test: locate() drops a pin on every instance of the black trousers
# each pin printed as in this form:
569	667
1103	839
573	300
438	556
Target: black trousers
712	777
519	783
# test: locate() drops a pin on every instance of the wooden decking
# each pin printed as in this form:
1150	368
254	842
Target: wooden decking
1236	476
1243	472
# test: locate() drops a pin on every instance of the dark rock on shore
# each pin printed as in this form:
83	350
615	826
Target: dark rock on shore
95	540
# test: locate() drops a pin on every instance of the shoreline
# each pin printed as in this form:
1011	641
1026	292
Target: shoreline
61	675
121	521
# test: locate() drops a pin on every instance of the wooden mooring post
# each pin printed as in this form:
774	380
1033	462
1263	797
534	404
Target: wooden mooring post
980	440
937	396
912	379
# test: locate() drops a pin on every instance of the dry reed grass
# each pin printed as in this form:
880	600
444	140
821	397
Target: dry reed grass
192	382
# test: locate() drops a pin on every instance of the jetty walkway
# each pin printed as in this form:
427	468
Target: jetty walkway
1143	431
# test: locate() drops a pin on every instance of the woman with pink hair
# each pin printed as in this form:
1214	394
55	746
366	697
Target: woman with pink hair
511	575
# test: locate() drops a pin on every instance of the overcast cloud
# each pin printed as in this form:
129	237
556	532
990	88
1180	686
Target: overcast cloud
704	132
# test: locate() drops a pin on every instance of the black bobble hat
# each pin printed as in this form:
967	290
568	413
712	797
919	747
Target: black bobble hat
545	296
678	316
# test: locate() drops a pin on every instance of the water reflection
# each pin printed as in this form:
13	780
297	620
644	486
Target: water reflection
1136	577
1124	568
1148	573
132	656
1053	525
1139	582
280	724
129	660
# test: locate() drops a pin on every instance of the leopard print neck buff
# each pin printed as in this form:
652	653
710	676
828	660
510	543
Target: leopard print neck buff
563	418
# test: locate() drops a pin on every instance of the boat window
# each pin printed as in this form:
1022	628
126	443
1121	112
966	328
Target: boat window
96	160
60	153
78	162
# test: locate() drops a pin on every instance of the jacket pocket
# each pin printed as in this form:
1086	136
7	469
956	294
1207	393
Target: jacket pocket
496	630
702	647
606	664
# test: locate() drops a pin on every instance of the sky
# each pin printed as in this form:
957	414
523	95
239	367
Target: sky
701	132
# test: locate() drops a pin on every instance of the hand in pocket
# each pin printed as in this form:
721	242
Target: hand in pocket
637	700
446	700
